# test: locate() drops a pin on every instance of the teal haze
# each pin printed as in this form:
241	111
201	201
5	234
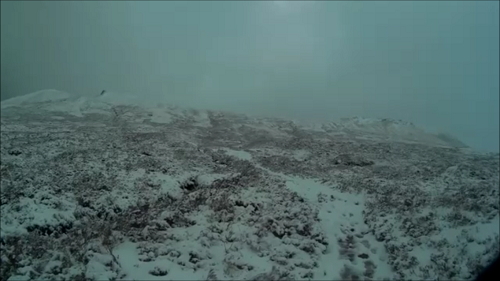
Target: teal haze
435	64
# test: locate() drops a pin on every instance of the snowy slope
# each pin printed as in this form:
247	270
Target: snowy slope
156	111
38	97
389	130
109	188
50	100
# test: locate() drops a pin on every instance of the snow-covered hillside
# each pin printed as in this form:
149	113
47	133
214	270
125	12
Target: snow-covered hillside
113	188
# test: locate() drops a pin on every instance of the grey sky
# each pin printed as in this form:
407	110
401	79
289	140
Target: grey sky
433	63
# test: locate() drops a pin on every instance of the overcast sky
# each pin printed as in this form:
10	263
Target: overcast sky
432	63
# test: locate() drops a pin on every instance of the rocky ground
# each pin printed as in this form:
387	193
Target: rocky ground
127	192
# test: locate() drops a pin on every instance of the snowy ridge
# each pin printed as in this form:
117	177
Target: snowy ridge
355	127
38	97
51	100
101	190
389	130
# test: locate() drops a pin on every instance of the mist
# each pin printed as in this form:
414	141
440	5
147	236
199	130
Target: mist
435	64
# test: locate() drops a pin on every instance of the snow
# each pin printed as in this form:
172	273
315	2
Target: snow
344	211
96	269
160	115
72	107
387	130
243	155
42	96
156	111
19	278
44	209
109	188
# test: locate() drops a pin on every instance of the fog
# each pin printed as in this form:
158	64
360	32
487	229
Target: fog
432	63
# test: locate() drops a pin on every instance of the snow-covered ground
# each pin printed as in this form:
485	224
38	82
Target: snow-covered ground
109	188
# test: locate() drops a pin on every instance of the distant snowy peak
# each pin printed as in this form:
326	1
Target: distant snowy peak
57	101
42	96
389	129
385	126
59	97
